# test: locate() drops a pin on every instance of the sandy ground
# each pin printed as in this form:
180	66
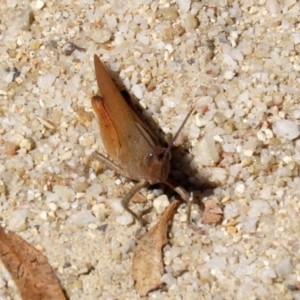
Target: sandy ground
237	61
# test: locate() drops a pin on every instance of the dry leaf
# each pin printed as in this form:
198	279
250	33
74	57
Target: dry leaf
29	269
147	263
212	213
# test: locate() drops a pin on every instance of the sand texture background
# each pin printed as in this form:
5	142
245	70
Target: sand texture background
237	61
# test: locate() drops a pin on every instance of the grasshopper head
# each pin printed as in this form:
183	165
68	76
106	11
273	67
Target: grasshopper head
157	165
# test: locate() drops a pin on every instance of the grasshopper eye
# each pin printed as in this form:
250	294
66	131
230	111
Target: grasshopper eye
149	159
151	156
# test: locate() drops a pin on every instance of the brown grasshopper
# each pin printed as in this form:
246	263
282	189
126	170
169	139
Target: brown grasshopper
132	148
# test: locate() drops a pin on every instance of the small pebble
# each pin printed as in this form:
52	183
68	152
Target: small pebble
219	118
115	204
46	81
169	13
17	220
286	129
231	230
229	74
184	5
206	152
190	23
35	45
95	190
69	48
28	143
81	218
273	6
240	188
137	91
125	219
39	4
160	203
52	206
101	36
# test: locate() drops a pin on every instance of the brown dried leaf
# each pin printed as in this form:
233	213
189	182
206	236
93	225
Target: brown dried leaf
147	263
212	213
29	269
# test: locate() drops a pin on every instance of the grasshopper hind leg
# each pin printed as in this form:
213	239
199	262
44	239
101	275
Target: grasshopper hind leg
188	198
107	162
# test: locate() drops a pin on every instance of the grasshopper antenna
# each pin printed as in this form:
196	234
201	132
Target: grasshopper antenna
178	131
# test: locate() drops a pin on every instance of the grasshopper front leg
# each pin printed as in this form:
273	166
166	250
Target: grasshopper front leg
125	201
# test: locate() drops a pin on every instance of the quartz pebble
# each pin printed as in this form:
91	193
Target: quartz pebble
39	4
101	36
286	129
273	6
17	221
206	152
229	74
160	203
81	218
184	5
125	219
46	81
28	144
95	190
115	204
137	91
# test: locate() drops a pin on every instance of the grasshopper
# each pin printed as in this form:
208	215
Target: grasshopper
133	149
